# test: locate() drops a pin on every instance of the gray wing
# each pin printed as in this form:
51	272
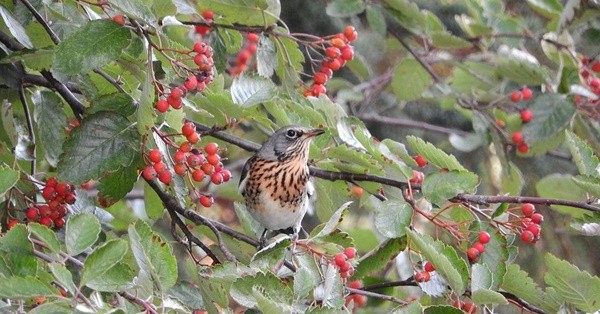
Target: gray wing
243	176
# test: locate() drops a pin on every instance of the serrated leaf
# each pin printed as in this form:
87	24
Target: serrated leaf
15	28
241	289
522	72
495	258
562	186
19	252
266	57
117	102
485	296
266	304
380	256
153	254
188	294
102	259
136	8
410	80
248	90
51	120
445	40
333	221
25	287
440	186
289	63
117	184
446	260
391	217
552	112
105	142
97	43
81	232
63	276
8	179
345	8
518	282
272	256
46	235
117	278
308	275
434	155
589	184
583	156
573	285
251	13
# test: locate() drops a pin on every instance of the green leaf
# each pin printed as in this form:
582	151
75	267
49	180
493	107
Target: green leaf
345	8
583	155
116	102
512	180
552	112
250	13
8	179
376	20
485	296
482	286
589	184
376	259
102	259
308	275
153	204
413	308
188	294
446	260
241	289
153	255
495	257
518	282
547	8
51	120
434	155
105	142
145	110
248	91
15	28
573	285
46	235
63	276
18	248
266	57
117	278
57	307
265	302
25	287
521	71
562	186
438	187
410	80
117	184
271	257
445	40
333	221
96	44
289	62
81	232
391	217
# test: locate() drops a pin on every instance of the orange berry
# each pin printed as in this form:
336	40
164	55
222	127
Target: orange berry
120	19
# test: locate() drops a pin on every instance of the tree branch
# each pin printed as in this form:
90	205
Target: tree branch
522	303
10	43
374	117
74	103
376	295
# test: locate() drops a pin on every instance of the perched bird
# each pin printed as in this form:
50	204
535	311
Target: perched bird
275	182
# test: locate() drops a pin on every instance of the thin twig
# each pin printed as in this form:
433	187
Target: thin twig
374	117
376	295
522	303
400	283
38	17
395	31
10	43
77	107
29	127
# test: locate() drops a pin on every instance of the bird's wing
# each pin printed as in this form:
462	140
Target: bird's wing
243	176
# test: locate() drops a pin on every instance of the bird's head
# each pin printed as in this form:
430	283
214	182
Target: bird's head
289	142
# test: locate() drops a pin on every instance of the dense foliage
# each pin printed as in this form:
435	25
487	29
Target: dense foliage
125	125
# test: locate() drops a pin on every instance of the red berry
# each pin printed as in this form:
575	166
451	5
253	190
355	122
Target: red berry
198	175
252	37
213	159
194	160
70	199
185	147
216	178
191	83
193	138
31	213
226	175
417	177
350	252
200	47
421	161
211	148
208	14
201	60
149	173
423	276
517	137
176	103
61	210
355	284
527	93
347	53
334	64
59	222
165	177
120	19
179	157
338	42
350	33
208	168
596	66
345	266
333	52
534	229
12	223
515	96
484	237
320	78
162	105
428	267
46	221
469	308
159	167
523	148
45	211
594	83
317	89
537	218
473	254
51	182
327	71
526	115
251	48
155	155
62	189
527	209
206	200
340	259
48	193
479	246
180	169
359	300
527	236
243	57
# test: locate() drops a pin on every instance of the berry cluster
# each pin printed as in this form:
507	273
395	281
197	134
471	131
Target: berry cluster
337	54
425	276
521	94
359	300
467	307
57	196
420	160
157	168
245	55
478	248
519	140
588	72
194	83
208	16
530	224
342	261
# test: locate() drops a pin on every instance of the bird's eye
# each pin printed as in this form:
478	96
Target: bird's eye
292	134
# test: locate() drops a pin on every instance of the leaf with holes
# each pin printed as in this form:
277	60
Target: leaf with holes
104	143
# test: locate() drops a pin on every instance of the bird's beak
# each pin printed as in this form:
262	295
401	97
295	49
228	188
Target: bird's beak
314	132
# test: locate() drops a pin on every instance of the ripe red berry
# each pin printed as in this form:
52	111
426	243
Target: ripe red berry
206	201
359	300
165	177
48	193
162	105
179	157
338	42
473	254
523	148
527	93
417	177
149	173
216	178
355	284
484	237
469	308
526	115
70	199
423	276
180	169
537	218
193	138
198	175
252	37
200	47
334	64
251	48
347	53
320	78
208	14
594	83
211	148
340	259
226	175
479	246
185	147
327	71
428	267
213	159
159	167
120	18
317	89
534	229
46	221
527	209
350	33
51	182
517	137
176	103
62	189
155	155
243	57
350	252
527	236
12	223
44	211
201	60
596	66
208	168
194	160
345	267
59	222
191	83
31	213
515	96
421	161
333	52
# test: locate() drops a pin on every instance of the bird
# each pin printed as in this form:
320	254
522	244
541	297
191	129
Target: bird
275	182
